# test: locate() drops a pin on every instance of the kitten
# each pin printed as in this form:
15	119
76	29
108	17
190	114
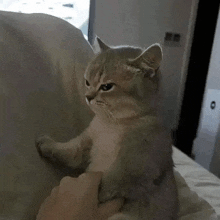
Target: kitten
126	139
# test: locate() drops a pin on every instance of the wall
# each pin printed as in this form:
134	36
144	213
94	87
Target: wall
142	23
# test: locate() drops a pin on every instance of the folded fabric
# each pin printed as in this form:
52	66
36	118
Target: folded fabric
191	205
199	190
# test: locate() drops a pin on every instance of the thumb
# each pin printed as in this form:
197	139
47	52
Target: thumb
110	208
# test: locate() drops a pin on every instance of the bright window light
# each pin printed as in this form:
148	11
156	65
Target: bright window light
76	12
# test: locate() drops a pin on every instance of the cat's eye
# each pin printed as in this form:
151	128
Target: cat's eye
106	87
87	83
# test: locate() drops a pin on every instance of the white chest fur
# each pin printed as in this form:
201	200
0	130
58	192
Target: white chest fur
106	145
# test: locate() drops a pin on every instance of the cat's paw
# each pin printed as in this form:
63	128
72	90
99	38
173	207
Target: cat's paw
109	189
106	195
44	145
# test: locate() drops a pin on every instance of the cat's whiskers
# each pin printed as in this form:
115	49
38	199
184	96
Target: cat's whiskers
109	113
106	110
104	105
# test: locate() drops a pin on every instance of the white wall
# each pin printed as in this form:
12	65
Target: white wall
142	23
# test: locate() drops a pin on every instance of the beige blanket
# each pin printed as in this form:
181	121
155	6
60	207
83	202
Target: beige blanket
42	62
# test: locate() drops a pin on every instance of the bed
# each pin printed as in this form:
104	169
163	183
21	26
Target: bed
199	190
43	59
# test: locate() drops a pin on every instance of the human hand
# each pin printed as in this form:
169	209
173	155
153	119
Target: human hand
77	199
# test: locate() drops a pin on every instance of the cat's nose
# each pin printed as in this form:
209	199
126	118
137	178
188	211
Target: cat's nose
89	98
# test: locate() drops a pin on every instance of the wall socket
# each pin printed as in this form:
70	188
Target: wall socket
172	39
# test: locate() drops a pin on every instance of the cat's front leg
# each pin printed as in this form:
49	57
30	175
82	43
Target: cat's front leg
74	154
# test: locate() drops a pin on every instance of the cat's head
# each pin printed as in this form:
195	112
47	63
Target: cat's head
123	82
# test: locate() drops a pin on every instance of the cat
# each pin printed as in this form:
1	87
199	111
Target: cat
126	138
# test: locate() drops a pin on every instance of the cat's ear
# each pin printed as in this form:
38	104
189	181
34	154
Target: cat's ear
151	57
102	45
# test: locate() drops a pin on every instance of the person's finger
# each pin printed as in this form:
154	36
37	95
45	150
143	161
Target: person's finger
45	207
67	185
110	208
90	181
54	191
67	180
85	182
92	177
89	177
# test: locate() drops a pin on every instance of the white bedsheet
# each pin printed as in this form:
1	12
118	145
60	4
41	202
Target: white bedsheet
203	199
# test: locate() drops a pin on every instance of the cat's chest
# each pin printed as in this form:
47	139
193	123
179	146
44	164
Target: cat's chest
106	146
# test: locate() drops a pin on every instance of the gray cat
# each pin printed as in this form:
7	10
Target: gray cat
126	139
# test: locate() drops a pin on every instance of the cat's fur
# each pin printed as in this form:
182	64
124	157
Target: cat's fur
126	139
